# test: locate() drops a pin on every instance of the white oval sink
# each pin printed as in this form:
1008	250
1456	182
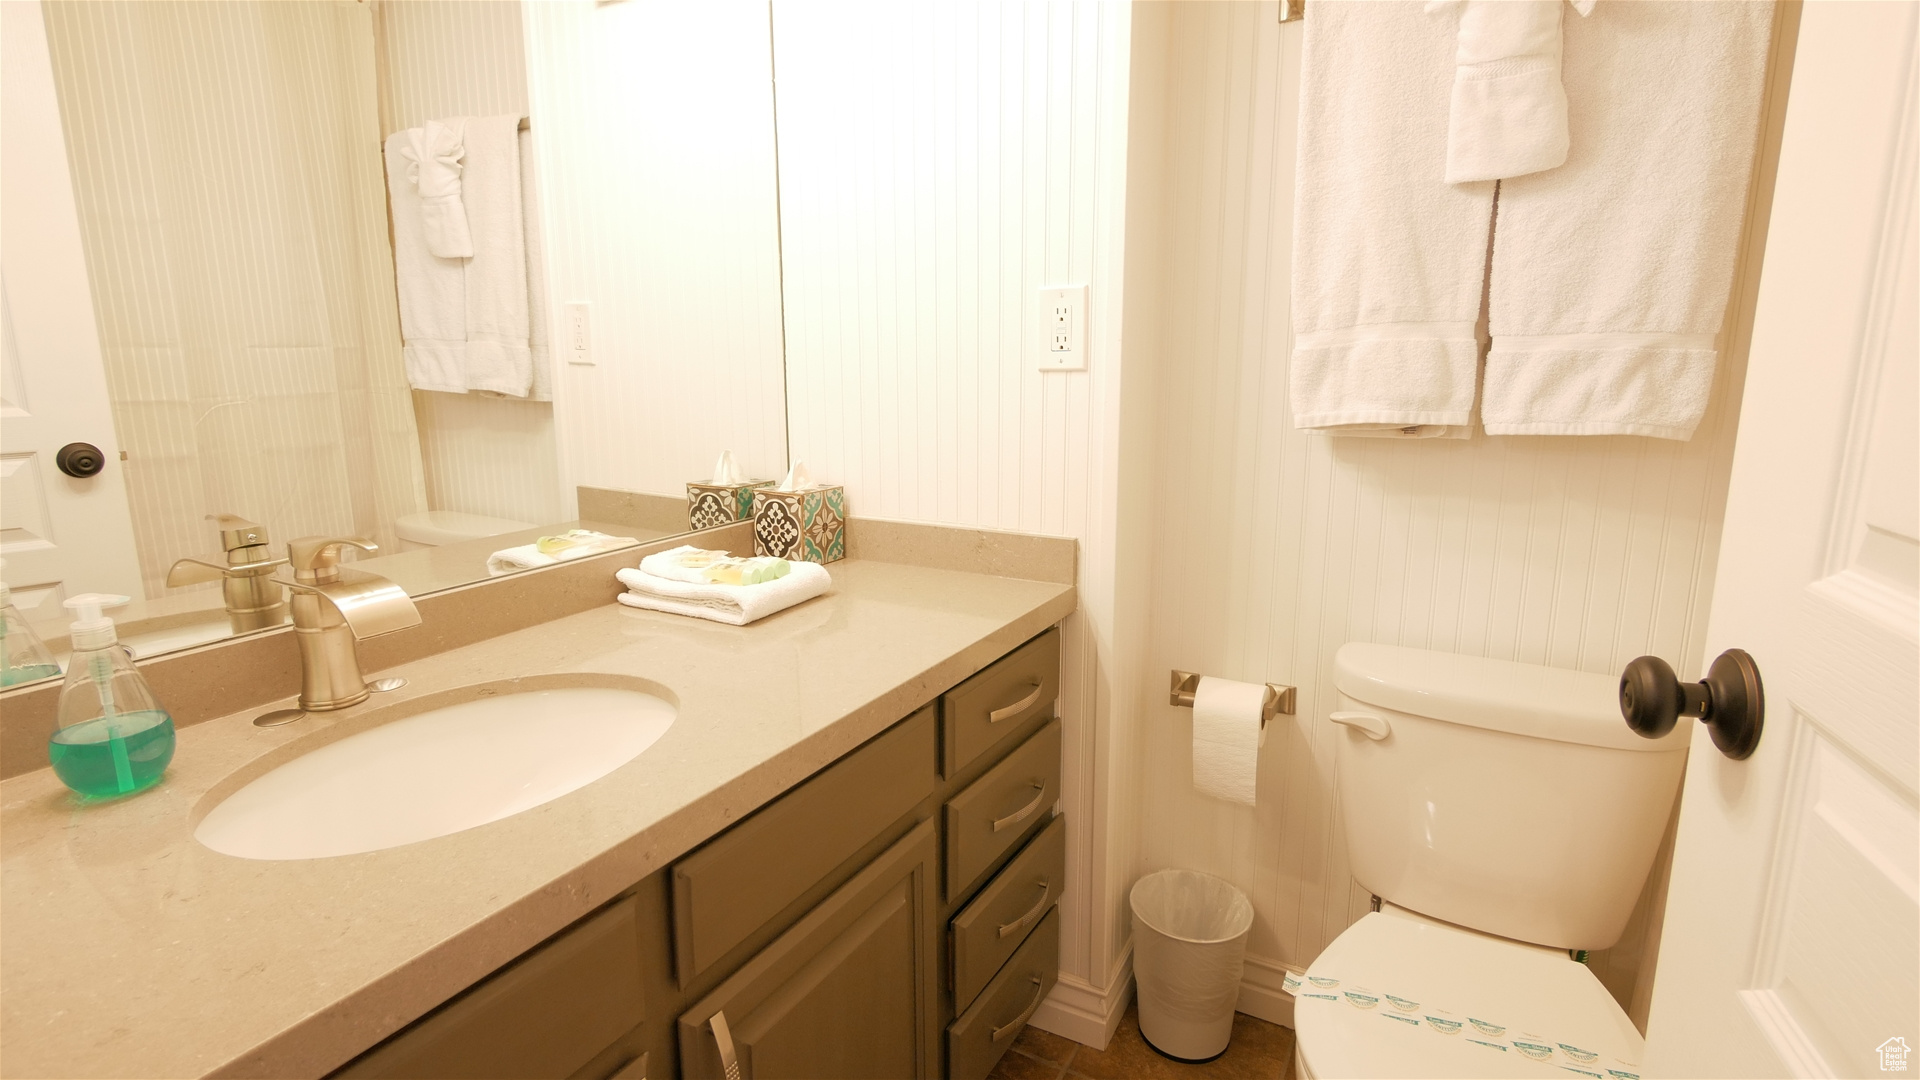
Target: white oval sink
436	773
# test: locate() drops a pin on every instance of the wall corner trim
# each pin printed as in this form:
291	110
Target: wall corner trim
1085	1013
1263	991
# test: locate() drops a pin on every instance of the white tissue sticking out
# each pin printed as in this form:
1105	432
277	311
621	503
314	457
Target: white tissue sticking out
797	478
725	471
1226	738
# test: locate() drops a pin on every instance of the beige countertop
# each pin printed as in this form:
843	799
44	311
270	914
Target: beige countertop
127	949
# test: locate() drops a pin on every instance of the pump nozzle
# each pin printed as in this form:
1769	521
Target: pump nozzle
91	629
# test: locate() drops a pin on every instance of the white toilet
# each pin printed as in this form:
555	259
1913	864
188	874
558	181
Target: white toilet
436	528
1504	814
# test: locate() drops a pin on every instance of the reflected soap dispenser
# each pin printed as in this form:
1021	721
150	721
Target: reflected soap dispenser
23	657
114	738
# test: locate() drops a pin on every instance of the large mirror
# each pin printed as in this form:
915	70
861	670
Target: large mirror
451	276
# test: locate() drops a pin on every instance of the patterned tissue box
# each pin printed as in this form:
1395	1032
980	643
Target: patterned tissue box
717	504
809	525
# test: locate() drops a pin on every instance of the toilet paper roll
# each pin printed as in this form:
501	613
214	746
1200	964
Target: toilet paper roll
1226	738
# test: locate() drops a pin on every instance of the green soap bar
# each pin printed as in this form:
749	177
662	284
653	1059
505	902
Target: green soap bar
757	570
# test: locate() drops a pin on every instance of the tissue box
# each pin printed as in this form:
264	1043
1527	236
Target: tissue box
717	504
809	525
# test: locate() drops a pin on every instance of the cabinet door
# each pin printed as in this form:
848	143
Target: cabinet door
848	993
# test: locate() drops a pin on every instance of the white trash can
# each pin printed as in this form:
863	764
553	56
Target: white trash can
1189	945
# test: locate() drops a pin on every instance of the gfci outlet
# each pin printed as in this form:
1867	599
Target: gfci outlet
1063	341
578	332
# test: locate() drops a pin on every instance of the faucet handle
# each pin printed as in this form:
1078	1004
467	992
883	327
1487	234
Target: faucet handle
316	559
237	532
192	571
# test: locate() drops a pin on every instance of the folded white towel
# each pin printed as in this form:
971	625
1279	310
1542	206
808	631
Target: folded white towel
433	290
1388	261
541	387
1508	110
1611	273
433	152
530	557
734	604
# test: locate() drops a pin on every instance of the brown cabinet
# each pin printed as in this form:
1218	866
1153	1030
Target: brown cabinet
548	1014
983	1032
995	812
849	992
988	930
997	701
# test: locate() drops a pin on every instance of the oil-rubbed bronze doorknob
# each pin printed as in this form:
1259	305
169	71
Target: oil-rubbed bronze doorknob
80	460
1729	700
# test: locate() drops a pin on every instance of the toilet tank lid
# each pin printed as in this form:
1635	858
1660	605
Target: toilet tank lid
1499	695
452	526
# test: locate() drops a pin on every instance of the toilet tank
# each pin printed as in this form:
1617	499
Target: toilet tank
1505	797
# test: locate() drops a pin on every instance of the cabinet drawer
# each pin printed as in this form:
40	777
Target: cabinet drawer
993	703
546	1014
848	992
983	1033
732	886
995	811
999	919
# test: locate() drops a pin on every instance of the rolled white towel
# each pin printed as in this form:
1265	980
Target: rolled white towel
530	557
434	154
737	605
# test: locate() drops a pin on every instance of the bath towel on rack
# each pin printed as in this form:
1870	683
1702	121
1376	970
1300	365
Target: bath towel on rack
1608	275
464	321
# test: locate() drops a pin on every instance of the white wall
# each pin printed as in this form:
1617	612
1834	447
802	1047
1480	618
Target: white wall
1273	548
440	58
939	165
653	122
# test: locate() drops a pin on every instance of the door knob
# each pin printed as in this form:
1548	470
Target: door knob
1729	700
80	460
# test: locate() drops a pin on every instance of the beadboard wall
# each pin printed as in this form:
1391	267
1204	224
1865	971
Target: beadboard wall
1273	548
439	58
939	165
653	122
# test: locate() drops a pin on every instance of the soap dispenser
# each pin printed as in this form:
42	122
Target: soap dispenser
23	658
114	737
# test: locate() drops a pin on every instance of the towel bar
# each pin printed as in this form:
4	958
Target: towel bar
1278	700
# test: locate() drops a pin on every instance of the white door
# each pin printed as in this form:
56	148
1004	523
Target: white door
1790	946
60	535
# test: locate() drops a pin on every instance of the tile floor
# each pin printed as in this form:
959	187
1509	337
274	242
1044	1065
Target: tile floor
1258	1051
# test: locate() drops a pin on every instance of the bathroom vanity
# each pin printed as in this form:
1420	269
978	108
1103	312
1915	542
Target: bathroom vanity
905	889
843	858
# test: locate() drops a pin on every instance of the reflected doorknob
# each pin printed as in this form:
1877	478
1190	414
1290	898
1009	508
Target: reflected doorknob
81	460
1729	700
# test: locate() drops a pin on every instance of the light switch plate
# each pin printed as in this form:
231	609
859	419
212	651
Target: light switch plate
1063	328
578	331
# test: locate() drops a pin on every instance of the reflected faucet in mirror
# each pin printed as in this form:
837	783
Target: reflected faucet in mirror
333	608
254	598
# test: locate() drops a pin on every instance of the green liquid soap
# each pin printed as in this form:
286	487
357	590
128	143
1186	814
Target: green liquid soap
115	755
27	673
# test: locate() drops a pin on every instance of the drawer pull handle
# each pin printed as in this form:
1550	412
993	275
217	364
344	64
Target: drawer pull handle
1026	1014
723	1039
1046	894
1006	711
1020	815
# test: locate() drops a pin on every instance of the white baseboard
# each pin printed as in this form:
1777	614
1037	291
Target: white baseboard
1083	1012
1263	992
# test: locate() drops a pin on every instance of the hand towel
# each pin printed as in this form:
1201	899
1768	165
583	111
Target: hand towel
1388	262
529	556
432	290
737	605
433	152
499	358
1611	273
1507	115
464	322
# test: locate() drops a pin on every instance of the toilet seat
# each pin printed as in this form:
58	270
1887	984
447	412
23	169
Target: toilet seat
1397	995
434	528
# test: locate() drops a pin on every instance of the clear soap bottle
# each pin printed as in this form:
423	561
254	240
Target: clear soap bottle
114	738
23	657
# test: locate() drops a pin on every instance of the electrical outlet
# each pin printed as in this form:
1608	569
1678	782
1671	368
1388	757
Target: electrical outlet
579	332
1063	344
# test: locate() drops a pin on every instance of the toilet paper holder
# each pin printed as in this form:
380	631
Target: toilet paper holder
1279	700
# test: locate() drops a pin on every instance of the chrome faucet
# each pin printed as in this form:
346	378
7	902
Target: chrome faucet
333	608
253	597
